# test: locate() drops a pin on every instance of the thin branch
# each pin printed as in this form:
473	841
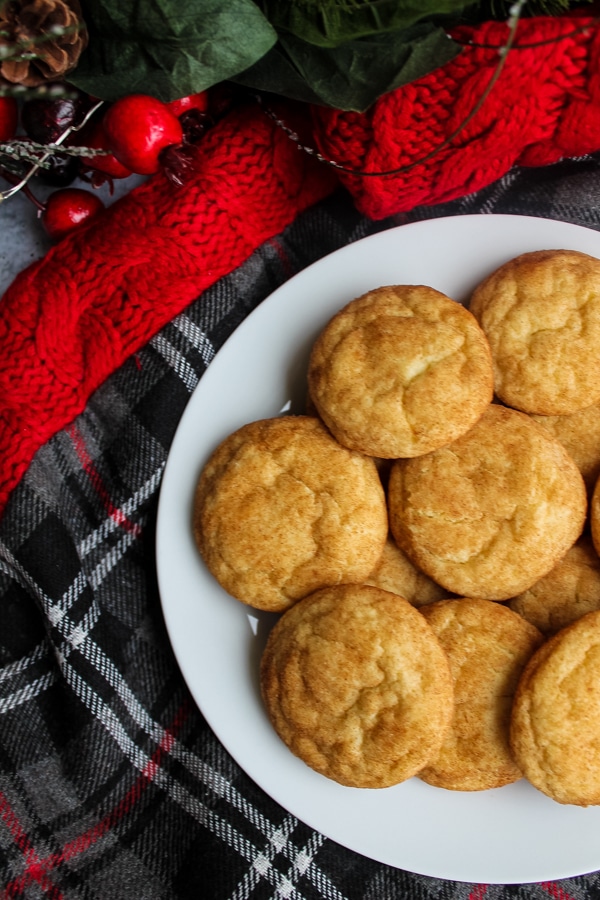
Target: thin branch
570	34
50	149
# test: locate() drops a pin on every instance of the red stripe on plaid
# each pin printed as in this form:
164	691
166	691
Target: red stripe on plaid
95	478
479	891
555	891
283	257
37	869
32	862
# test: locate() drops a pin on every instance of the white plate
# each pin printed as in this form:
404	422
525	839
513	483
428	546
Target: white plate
508	835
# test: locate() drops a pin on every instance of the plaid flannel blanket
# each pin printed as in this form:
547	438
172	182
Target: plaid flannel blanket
111	783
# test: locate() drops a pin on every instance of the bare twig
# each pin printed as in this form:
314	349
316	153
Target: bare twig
50	149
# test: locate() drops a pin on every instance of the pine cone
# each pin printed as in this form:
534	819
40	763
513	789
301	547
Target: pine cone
53	30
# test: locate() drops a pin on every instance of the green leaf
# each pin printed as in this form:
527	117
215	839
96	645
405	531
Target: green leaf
329	23
351	76
168	48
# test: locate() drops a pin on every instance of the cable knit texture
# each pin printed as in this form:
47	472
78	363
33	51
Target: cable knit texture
544	106
69	320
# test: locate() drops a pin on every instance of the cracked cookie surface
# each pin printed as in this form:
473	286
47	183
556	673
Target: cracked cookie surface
357	685
541	314
281	509
493	512
400	371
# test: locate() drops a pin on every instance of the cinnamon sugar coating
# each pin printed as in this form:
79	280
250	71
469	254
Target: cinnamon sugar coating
395	572
400	371
281	509
569	591
487	646
555	726
357	685
492	513
541	314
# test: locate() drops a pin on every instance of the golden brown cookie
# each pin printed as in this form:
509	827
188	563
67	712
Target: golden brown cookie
281	509
555	726
579	433
487	647
570	590
400	371
357	685
541	314
492	513
595	515
396	573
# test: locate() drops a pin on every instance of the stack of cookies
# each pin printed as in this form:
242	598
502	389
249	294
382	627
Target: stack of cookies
424	533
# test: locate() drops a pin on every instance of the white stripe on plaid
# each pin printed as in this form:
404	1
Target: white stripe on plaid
113	556
217	784
29	692
17	671
124	511
176	361
196	336
303	865
262	864
20	665
64	604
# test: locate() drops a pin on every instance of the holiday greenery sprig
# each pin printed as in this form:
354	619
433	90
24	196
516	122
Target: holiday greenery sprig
340	53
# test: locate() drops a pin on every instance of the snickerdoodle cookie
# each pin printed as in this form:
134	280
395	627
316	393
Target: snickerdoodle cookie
595	515
400	371
357	685
570	590
396	573
555	726
579	433
541	314
487	647
281	509
493	512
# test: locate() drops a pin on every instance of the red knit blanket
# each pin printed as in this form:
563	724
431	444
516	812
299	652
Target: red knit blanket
544	106
70	319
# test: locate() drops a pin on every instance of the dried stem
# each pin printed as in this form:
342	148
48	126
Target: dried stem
49	150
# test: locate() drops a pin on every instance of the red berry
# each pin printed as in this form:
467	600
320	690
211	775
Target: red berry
96	139
185	104
9	115
45	120
68	210
138	128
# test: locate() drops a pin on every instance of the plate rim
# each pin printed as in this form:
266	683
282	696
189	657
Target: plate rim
268	303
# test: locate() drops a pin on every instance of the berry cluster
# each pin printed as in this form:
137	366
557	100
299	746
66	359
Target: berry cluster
137	134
